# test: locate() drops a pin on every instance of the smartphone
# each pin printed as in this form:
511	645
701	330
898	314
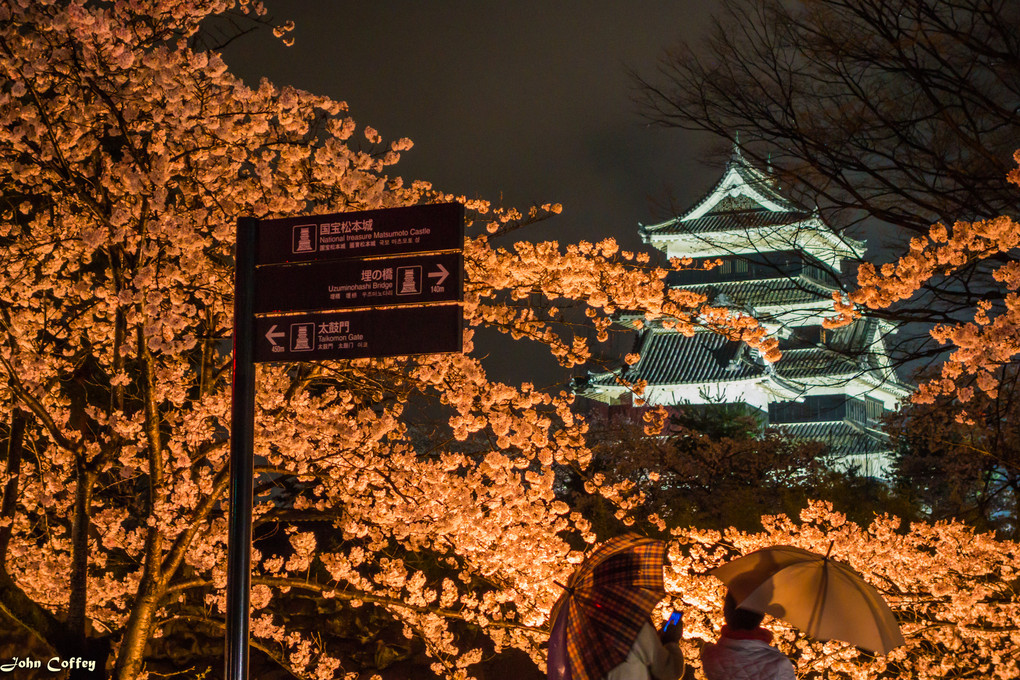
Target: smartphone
674	619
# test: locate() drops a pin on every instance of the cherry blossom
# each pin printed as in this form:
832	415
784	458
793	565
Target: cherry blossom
414	486
978	348
128	152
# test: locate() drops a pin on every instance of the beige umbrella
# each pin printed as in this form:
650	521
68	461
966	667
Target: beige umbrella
824	598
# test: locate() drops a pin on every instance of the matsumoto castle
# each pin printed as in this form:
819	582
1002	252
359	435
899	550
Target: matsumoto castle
780	263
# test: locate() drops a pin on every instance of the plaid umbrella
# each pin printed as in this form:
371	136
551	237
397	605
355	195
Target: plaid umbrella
607	601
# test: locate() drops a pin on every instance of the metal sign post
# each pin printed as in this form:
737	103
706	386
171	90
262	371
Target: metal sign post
374	283
242	445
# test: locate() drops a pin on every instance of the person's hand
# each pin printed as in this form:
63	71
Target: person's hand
673	633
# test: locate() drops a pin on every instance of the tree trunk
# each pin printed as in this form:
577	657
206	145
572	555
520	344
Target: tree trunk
10	498
78	599
136	635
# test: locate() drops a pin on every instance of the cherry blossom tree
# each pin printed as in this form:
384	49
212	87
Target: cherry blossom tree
887	116
980	347
966	470
712	466
953	590
965	411
127	153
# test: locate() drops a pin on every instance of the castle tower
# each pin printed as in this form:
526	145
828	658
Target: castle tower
780	264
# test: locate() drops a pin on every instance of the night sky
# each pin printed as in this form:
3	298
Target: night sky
525	101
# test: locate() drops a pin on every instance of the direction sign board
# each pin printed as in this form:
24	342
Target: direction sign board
290	268
373	258
414	229
358	333
342	284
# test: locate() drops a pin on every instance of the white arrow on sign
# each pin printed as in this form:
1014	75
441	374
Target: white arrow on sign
441	274
272	334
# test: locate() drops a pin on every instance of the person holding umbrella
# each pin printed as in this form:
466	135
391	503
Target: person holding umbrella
653	656
823	597
744	650
601	625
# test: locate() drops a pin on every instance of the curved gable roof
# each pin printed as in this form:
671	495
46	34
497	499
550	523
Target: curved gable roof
747	200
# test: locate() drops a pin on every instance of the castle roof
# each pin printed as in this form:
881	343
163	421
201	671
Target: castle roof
671	358
848	438
758	294
753	218
745	211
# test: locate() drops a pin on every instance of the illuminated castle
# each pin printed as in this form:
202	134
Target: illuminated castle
780	264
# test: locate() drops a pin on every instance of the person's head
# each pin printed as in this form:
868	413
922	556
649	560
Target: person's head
740	619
